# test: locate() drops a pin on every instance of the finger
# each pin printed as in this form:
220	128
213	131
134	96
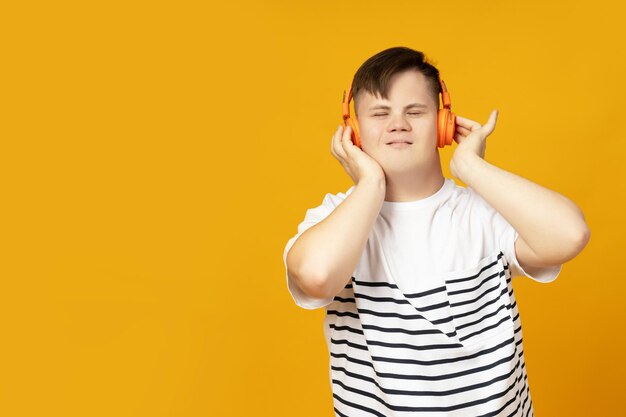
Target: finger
348	146
491	123
339	148
462	130
467	123
346	139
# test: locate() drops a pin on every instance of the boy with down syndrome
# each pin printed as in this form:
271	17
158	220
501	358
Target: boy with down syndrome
415	271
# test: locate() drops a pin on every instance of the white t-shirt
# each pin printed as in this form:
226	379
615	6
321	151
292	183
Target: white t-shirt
429	321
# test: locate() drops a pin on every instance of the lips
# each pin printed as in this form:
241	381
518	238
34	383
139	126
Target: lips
399	141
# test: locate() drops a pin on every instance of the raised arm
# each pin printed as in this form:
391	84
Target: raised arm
552	229
322	259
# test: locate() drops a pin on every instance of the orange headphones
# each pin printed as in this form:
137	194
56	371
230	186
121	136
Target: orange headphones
446	120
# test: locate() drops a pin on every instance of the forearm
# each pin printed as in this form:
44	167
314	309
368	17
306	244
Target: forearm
324	256
553	226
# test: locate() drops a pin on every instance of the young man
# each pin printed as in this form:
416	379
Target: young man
415	271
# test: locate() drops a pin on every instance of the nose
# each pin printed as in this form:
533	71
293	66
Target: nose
399	123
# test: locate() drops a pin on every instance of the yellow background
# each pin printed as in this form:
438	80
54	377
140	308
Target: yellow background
157	156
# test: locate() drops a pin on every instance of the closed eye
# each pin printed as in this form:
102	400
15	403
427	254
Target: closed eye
413	114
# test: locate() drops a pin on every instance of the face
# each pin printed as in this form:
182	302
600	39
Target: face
410	115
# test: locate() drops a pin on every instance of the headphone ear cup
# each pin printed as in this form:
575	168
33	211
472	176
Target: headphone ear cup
451	127
442	116
356	139
446	127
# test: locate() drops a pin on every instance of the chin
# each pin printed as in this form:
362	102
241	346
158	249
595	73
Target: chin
405	161
400	169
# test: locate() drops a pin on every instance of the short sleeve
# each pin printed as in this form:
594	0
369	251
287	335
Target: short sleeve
505	236
312	217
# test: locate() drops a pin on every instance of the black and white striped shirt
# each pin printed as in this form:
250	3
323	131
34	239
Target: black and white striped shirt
428	324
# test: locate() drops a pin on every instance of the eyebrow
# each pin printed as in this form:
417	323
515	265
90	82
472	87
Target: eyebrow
384	107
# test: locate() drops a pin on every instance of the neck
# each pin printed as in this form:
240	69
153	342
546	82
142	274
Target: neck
415	185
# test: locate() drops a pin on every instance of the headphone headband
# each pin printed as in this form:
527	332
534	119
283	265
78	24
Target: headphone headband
445	96
346	103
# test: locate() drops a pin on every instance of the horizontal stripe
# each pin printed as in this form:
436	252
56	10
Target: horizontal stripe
342	314
425	293
453	375
484	329
473	387
422	362
339	413
427	409
357	406
492	314
516	398
375	284
396	301
461	303
344	300
389	314
498	411
484	268
406	331
415	347
474	288
468	313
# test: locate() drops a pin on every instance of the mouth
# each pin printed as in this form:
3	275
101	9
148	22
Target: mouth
396	142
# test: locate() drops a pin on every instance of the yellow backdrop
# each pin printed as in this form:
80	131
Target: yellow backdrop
156	157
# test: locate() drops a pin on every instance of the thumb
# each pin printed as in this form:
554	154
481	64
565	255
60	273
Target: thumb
491	123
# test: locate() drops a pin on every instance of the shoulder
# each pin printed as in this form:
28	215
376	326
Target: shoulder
462	200
477	202
331	201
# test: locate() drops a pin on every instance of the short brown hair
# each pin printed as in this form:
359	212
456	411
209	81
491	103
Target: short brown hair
374	74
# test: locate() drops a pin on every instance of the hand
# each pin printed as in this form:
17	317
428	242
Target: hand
358	164
471	138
